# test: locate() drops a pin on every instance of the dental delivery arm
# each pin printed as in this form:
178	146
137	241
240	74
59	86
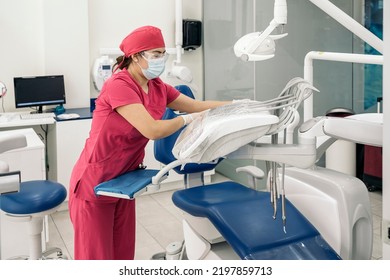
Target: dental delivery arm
300	155
363	129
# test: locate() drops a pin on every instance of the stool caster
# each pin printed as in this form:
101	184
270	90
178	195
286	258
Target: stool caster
371	188
23	258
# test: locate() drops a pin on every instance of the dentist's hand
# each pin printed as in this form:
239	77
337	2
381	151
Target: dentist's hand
188	118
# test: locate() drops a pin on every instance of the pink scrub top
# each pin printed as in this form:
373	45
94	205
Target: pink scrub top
114	146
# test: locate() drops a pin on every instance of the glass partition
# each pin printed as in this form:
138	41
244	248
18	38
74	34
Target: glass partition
226	77
309	28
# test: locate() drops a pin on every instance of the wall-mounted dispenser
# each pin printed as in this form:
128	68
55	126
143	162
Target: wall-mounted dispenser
192	34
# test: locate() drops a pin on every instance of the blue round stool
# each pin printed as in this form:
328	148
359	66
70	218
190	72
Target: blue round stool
31	204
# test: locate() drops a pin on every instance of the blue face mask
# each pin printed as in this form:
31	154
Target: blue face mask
155	68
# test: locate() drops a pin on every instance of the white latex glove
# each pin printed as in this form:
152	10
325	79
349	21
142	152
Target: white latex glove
188	118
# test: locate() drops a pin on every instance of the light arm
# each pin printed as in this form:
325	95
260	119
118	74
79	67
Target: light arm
350	23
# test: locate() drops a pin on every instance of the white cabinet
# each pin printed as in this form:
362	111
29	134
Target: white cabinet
30	161
65	142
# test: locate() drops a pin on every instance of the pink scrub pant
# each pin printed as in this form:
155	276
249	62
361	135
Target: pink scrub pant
103	231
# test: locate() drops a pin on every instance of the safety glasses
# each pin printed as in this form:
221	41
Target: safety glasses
154	55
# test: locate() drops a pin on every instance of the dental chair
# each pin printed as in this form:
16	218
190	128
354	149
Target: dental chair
230	221
28	201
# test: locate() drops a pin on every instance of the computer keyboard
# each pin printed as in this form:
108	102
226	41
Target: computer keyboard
37	116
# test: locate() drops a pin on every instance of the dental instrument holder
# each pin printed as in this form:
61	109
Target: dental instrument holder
274	181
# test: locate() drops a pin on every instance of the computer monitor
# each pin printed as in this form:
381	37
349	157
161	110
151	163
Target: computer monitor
39	91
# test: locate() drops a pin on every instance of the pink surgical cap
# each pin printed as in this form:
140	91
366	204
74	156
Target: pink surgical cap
141	39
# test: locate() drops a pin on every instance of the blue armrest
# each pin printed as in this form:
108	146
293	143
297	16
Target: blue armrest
127	185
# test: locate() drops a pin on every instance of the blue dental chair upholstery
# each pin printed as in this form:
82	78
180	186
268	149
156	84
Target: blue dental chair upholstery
244	218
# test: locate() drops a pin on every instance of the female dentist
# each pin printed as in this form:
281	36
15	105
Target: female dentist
128	113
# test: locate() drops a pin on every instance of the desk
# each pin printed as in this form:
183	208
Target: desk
16	121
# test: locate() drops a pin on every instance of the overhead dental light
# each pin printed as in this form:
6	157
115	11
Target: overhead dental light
258	46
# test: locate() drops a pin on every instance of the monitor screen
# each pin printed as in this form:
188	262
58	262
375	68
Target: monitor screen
39	91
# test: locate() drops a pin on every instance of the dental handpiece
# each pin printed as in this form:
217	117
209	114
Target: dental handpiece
283	213
275	190
283	198
272	197
271	181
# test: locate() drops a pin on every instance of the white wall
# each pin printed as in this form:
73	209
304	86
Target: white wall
67	47
21	42
111	21
40	37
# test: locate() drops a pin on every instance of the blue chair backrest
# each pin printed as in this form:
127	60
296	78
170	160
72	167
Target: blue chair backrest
163	147
185	90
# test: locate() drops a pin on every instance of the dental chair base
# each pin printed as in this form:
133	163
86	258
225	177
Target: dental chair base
199	248
244	218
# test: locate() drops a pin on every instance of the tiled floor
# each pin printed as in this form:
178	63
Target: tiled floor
159	223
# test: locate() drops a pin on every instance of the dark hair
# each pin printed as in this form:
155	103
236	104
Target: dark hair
121	62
